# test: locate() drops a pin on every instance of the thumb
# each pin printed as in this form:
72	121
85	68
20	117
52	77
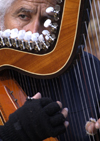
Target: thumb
37	96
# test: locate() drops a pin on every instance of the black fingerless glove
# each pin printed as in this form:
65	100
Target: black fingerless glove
36	120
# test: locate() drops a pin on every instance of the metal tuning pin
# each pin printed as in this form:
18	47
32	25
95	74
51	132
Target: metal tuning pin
45	32
41	40
1	39
6	37
48	23
21	35
35	39
49	10
50	38
55	11
14	35
59	1
27	38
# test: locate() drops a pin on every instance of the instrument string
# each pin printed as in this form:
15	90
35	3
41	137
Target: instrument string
80	95
56	89
94	66
20	80
28	89
13	86
67	99
91	73
96	137
72	91
59	94
95	76
32	86
48	88
43	88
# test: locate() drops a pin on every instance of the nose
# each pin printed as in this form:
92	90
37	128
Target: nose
33	26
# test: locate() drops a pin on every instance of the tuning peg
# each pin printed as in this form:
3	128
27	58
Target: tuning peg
49	10
48	23
41	39
6	33
59	1
21	34
1	39
50	38
55	11
14	33
35	39
1	33
45	32
28	36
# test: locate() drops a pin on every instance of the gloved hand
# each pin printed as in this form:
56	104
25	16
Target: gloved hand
36	120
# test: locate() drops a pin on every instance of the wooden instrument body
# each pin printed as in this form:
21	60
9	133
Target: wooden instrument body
59	58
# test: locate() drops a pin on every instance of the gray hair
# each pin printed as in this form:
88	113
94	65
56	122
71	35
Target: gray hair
4	7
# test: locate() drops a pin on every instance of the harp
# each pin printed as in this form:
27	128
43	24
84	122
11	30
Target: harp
70	74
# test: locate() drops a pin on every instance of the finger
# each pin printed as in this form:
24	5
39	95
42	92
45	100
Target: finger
57	119
45	101
52	108
97	124
37	96
90	128
59	103
66	123
65	112
59	130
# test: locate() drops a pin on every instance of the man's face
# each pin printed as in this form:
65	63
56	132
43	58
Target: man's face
29	15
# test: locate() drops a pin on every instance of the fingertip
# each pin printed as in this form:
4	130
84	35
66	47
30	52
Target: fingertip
37	96
97	125
65	112
66	109
66	124
59	103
